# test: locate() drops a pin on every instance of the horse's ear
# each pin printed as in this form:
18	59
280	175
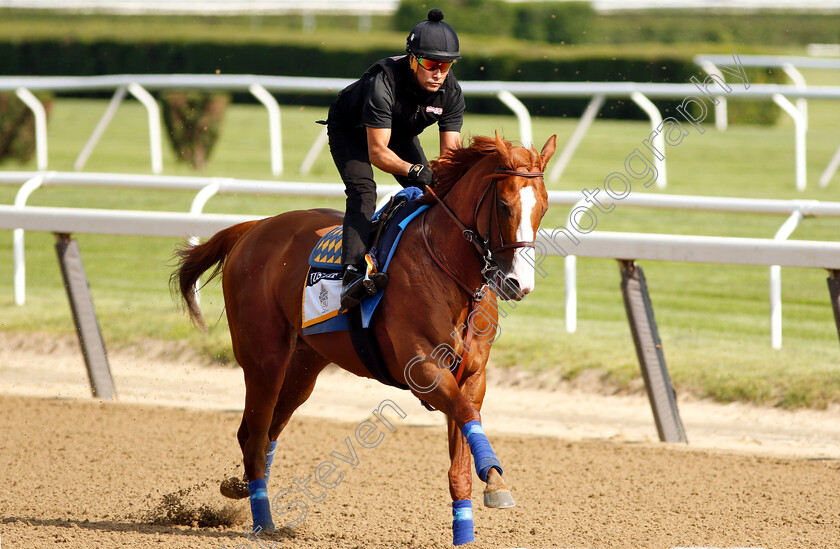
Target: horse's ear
501	148
548	149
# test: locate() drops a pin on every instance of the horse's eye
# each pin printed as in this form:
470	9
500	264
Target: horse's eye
506	208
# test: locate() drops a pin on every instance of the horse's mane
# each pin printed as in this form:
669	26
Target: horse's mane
452	165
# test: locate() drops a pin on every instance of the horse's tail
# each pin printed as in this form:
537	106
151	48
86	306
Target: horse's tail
195	260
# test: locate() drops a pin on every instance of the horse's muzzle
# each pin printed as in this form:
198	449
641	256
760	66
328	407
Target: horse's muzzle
508	288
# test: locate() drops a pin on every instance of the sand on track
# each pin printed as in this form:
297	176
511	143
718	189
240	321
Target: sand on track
586	469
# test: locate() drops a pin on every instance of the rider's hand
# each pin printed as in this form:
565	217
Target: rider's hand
420	175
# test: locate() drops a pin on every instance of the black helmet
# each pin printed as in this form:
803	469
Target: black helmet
433	39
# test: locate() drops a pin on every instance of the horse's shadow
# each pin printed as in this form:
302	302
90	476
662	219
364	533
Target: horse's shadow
243	534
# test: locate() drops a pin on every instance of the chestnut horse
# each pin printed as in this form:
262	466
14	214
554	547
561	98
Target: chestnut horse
470	246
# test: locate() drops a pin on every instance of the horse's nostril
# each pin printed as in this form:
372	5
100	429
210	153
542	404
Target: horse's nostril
513	286
511	289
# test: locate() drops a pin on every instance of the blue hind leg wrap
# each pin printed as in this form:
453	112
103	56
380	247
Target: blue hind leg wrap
462	522
269	457
260	508
485	458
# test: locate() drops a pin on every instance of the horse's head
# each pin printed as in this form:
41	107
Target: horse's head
517	203
498	207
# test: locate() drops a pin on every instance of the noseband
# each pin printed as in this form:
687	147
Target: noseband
481	244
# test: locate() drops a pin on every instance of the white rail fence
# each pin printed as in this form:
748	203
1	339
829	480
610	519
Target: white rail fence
212	7
600	244
206	188
509	93
790	65
795	210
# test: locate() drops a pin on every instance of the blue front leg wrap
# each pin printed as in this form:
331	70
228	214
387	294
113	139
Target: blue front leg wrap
260	509
462	522
269	457
485	458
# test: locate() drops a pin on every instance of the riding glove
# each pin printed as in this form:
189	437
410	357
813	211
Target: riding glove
420	175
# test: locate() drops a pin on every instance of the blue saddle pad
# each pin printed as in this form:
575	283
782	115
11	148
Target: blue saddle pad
326	256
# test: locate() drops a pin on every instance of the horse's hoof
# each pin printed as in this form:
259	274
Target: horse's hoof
234	488
499	500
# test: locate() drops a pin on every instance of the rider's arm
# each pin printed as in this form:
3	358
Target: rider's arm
381	156
453	117
449	140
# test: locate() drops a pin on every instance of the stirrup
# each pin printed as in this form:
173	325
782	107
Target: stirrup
373	281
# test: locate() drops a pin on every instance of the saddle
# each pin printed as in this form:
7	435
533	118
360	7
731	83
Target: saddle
322	312
326	254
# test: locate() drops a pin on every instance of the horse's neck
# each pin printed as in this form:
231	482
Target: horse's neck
463	198
447	240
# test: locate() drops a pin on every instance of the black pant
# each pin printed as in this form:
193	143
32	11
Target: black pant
350	154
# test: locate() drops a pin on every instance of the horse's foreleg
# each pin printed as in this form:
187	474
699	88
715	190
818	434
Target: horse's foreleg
441	391
460	486
496	491
466	436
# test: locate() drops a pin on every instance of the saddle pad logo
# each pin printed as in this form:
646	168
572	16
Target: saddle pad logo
435	110
324	298
321	296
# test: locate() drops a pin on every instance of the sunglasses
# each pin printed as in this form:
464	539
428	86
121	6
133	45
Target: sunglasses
431	64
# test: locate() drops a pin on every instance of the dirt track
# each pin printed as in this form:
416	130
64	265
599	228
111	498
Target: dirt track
80	473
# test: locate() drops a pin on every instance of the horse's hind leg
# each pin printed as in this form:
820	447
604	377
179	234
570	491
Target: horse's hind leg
235	487
303	371
263	344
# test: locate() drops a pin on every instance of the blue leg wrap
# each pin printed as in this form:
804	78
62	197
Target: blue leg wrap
462	522
269	457
485	458
260	508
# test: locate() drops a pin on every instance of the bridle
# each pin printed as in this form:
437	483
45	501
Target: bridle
474	237
481	245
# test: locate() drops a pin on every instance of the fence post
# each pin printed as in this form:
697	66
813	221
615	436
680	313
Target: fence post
40	115
153	115
571	146
274	133
522	115
663	401
84	317
834	291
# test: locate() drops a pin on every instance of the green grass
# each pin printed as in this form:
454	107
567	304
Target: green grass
714	319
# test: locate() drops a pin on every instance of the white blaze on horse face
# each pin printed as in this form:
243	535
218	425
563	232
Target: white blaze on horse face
522	269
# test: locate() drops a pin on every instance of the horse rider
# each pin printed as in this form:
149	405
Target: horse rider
375	121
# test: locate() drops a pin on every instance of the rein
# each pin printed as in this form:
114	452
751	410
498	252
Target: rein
482	247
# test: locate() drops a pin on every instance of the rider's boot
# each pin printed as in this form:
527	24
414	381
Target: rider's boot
352	286
356	286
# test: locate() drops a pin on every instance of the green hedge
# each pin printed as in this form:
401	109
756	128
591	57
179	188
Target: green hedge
557	22
537	63
17	127
767	27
